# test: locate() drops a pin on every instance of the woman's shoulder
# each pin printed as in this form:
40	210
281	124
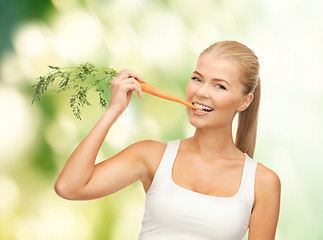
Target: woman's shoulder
148	149
149	145
267	181
151	153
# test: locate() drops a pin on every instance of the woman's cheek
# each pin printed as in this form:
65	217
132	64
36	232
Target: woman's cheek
189	90
223	102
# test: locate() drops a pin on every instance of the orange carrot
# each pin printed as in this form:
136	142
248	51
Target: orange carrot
146	87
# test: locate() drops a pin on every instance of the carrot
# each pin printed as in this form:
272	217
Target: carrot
147	88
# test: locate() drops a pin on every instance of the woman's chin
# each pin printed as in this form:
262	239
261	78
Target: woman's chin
197	123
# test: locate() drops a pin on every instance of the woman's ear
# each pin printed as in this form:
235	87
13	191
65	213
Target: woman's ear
245	102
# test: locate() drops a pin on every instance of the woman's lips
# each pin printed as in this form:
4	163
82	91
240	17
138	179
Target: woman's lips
199	113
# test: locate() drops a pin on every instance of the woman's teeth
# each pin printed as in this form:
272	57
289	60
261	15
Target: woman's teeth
205	108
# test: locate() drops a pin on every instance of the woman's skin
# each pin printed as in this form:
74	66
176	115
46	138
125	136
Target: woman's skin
209	156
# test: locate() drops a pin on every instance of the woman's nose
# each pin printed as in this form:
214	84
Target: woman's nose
203	91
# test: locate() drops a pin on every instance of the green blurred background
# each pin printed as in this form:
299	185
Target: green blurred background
161	40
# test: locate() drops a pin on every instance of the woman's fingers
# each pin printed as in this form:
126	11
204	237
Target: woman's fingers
122	87
135	86
131	84
128	73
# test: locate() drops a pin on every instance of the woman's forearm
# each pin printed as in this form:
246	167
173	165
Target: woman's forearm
79	167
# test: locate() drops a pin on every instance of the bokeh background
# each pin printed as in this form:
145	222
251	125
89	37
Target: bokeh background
161	40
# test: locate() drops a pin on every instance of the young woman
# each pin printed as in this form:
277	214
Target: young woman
203	187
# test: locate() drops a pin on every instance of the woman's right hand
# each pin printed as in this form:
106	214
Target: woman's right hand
122	87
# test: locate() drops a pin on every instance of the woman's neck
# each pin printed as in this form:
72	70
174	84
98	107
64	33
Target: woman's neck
215	142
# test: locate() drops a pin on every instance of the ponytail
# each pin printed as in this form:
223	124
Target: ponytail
247	125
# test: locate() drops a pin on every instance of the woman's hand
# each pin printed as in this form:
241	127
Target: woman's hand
122	87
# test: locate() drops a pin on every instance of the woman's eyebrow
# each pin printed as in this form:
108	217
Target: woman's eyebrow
214	79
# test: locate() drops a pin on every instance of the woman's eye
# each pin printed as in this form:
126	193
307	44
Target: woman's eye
220	86
196	79
216	85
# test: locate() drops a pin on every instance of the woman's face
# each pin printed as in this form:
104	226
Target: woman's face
216	83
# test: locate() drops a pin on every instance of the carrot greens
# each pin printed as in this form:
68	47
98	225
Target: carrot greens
80	80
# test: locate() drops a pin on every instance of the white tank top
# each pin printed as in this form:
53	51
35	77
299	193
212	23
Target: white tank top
175	213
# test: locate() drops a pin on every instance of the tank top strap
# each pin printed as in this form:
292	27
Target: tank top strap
248	178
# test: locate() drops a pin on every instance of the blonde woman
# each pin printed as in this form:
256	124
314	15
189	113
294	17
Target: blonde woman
203	187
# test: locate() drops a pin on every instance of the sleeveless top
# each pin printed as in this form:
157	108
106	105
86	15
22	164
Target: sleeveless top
174	213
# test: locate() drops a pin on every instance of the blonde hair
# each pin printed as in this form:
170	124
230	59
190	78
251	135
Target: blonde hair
248	119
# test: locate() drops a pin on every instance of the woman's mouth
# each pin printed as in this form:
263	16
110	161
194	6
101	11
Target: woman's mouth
204	107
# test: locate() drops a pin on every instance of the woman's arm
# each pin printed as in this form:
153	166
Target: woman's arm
264	217
80	178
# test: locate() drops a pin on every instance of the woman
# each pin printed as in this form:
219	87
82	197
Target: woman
203	187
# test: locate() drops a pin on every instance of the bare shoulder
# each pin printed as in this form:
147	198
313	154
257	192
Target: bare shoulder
265	212
151	143
151	153
267	181
148	148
